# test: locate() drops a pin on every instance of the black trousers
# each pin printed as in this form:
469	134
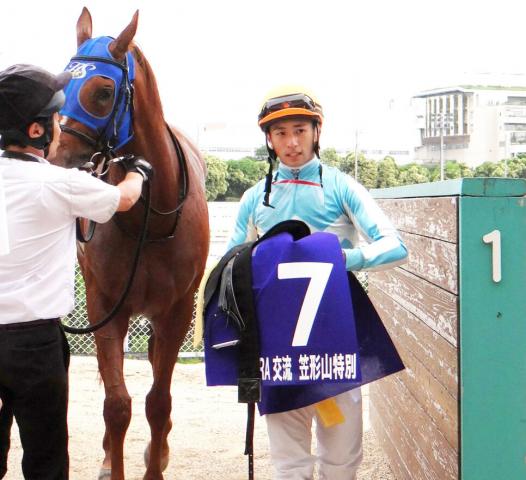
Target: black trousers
34	361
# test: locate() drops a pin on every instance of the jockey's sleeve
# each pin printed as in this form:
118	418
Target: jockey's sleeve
244	229
384	247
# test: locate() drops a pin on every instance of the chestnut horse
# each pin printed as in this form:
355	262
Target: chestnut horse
174	255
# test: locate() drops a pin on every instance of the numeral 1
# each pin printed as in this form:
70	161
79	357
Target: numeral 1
494	238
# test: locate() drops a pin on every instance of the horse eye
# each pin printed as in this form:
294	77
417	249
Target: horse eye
97	95
104	95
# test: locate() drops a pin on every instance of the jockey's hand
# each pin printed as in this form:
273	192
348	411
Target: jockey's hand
136	163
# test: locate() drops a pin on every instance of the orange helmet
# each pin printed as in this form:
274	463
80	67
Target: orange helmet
289	102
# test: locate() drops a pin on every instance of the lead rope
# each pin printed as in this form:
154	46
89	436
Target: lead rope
140	244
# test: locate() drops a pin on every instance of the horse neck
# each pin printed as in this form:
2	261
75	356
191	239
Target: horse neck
155	144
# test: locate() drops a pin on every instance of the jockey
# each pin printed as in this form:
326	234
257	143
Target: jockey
327	200
39	203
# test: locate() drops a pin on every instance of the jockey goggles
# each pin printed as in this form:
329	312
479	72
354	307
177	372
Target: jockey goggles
288	106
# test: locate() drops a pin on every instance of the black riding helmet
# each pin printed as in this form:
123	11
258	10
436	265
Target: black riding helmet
29	94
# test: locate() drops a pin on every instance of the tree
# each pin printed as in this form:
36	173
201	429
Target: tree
413	173
347	163
515	167
387	173
367	172
490	169
216	179
242	174
453	169
329	156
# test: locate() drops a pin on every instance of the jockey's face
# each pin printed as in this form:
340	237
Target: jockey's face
293	140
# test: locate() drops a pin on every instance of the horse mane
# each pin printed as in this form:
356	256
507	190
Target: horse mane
148	75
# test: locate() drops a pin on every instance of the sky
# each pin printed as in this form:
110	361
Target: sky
215	60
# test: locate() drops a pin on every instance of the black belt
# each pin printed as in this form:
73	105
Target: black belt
32	323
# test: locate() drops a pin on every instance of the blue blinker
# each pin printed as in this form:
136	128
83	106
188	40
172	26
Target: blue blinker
94	59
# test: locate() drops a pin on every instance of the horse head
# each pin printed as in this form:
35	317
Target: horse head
97	117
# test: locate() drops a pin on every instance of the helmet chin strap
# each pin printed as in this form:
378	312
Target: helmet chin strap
43	142
23	139
316	147
268	177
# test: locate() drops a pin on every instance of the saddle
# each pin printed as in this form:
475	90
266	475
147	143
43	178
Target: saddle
233	277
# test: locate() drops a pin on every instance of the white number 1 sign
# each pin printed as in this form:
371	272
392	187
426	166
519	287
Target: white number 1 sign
494	238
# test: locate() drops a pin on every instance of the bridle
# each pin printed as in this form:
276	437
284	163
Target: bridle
112	135
117	130
114	130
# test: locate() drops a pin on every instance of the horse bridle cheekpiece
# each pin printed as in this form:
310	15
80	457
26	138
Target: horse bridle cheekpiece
115	129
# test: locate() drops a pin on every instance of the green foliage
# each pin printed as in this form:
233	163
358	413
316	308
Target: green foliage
387	173
413	173
138	343
230	179
242	174
515	167
367	172
347	164
512	167
452	169
465	171
490	169
190	360
329	156
216	179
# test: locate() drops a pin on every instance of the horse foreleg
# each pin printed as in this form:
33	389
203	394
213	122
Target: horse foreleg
158	409
117	404
169	334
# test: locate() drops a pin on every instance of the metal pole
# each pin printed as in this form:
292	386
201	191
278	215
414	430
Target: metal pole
356	154
506	150
442	147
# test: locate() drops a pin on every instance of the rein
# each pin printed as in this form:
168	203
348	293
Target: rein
118	305
183	194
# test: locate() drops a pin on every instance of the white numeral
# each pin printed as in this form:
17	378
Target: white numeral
319	274
494	238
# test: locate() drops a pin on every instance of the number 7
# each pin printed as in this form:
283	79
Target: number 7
319	274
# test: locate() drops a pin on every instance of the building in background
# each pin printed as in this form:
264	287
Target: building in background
470	124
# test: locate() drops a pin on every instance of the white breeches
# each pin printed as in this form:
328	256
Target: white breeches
339	448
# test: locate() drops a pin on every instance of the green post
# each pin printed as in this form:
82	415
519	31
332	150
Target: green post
492	336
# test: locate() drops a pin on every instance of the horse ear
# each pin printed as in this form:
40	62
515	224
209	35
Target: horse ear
119	46
84	27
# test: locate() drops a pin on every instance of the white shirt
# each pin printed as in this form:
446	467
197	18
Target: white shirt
42	201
